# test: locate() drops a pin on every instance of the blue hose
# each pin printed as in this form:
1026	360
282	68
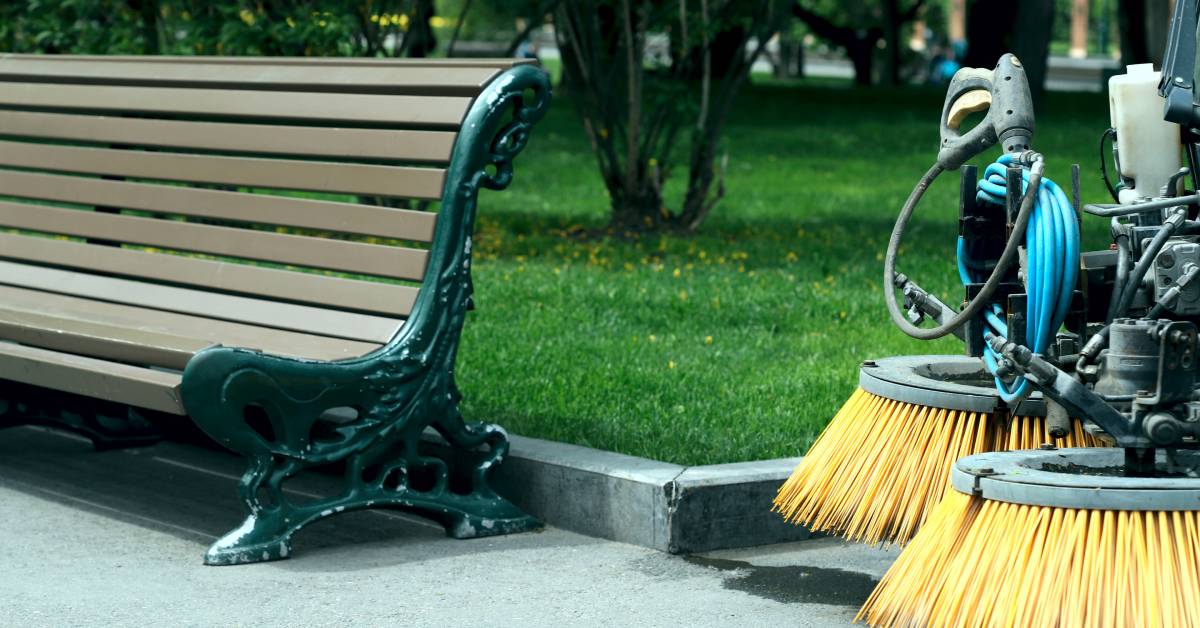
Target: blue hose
1052	250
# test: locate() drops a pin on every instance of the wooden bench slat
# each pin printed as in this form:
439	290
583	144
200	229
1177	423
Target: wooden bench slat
82	337
230	334
355	257
81	375
326	142
316	176
481	62
380	298
287	316
396	111
463	80
401	224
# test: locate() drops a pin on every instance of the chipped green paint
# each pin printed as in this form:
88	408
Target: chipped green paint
395	392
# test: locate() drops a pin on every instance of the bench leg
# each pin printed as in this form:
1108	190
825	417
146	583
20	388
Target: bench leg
414	482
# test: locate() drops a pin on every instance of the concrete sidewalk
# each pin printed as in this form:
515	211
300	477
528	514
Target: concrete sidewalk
116	538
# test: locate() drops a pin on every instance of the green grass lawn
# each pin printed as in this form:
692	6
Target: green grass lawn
740	342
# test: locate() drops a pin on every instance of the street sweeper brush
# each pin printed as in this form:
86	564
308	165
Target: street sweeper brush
1077	537
884	461
1052	538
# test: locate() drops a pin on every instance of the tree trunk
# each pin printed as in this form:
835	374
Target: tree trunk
149	12
859	43
862	55
639	212
989	23
956	21
1158	26
420	41
1031	44
891	38
1131	24
1079	29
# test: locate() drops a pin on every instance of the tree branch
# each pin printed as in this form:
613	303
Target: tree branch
911	13
462	17
633	69
822	27
535	20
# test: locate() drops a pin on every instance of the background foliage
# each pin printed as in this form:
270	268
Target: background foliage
280	27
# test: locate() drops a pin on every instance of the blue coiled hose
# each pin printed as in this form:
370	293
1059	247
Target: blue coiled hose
1052	249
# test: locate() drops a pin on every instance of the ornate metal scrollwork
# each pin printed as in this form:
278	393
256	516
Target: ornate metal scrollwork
287	415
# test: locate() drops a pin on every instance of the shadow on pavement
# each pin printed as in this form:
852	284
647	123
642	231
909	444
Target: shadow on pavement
190	492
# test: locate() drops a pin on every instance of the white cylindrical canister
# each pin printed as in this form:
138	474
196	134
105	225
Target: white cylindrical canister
1148	147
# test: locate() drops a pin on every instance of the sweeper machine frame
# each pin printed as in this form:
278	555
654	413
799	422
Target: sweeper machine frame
1108	338
1126	357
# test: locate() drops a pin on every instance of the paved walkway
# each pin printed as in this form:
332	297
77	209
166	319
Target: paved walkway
115	538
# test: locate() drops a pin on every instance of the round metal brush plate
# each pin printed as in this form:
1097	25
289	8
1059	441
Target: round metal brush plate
1087	478
953	382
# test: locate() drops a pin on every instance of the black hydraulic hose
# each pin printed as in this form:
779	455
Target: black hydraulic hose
1110	132
1143	264
1193	165
1121	239
993	281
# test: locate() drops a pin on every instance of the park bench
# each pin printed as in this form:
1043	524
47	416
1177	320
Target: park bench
245	242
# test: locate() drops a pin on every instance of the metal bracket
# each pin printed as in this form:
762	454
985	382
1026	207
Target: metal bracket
1178	69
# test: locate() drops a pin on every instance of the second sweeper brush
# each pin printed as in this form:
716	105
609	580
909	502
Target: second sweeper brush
1052	538
883	462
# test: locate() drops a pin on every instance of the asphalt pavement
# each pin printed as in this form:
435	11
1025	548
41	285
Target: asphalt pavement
116	538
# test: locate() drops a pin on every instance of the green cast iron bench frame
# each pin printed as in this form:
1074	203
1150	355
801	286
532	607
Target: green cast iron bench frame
227	239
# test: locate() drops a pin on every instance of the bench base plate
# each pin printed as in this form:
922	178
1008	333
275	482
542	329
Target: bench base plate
268	536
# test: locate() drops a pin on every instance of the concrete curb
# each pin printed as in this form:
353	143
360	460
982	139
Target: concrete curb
644	502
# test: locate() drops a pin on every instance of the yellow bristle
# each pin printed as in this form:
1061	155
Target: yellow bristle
980	562
882	465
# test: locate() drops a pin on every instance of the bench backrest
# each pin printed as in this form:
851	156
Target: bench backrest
275	178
